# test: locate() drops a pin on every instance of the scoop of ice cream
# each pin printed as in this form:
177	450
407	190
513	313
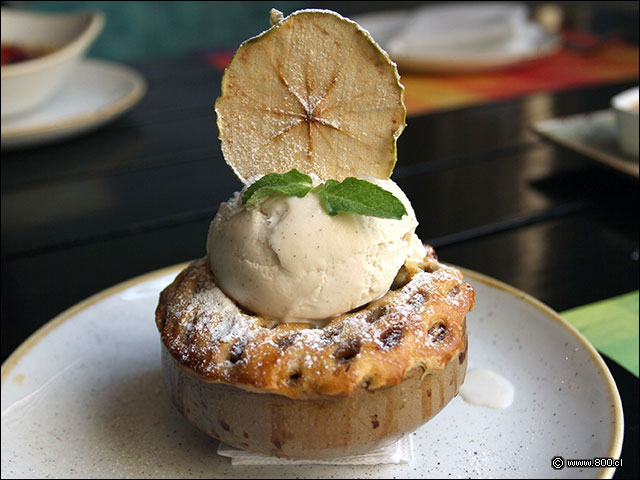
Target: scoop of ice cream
287	259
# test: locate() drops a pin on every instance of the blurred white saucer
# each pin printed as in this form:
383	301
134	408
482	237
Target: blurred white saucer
464	37
594	135
96	93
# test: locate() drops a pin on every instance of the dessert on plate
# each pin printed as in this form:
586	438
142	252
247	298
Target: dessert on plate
318	325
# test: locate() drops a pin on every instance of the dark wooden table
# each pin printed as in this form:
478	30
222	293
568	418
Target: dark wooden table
138	195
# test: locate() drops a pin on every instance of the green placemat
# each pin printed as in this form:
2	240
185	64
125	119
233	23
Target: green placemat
612	327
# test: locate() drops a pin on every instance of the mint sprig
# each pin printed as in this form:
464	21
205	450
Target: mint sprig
352	195
291	184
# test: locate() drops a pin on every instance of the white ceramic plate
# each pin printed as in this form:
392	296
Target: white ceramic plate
533	44
96	93
593	135
85	397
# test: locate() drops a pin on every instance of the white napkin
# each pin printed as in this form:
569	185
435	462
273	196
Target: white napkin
459	25
469	27
398	452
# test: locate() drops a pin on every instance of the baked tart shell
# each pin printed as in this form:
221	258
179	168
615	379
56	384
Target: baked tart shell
292	390
314	429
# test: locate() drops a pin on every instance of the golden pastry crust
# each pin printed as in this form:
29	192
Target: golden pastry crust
419	323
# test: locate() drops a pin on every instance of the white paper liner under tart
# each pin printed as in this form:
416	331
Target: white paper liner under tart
393	454
340	427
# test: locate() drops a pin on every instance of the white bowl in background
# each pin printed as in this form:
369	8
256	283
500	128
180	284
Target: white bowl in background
625	106
26	85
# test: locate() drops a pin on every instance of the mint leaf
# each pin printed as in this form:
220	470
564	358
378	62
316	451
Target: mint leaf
359	196
351	196
292	183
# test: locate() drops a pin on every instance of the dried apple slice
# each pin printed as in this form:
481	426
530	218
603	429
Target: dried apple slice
314	92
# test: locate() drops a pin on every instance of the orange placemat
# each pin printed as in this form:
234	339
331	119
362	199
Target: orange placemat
613	61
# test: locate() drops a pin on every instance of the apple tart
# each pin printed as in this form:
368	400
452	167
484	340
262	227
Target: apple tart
294	390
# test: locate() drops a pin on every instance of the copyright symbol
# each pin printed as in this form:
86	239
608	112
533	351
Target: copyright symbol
557	463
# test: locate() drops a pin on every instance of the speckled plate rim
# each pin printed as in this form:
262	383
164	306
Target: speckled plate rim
617	436
58	320
615	444
135	94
